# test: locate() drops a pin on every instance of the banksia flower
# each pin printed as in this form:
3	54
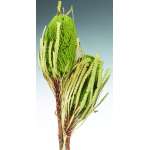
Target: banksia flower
76	79
58	46
81	90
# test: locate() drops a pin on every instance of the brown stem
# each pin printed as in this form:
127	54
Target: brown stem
57	86
68	143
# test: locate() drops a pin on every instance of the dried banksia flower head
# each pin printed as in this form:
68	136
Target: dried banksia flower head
81	90
58	46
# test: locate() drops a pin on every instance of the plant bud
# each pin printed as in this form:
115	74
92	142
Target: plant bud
82	88
58	46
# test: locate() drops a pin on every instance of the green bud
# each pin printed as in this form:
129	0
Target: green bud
82	88
58	46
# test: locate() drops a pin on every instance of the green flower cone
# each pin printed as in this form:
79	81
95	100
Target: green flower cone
58	46
81	90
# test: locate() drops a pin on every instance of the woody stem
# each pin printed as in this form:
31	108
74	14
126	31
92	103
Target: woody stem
68	143
58	110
